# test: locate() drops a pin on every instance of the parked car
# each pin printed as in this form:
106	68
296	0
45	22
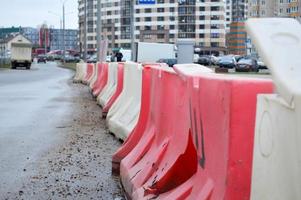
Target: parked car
169	61
247	65
204	60
214	60
92	59
238	57
49	57
41	58
261	64
71	59
228	62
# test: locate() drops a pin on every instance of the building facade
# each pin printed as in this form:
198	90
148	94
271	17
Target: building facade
294	8
56	39
32	34
163	22
237	36
272	8
6	32
228	14
239	10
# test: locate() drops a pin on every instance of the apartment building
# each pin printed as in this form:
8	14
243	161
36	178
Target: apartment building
272	8
165	22
228	14
294	8
268	8
56	39
239	10
237	36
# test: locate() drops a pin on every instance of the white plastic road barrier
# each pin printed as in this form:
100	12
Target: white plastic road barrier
277	144
94	76
123	115
111	85
80	74
279	46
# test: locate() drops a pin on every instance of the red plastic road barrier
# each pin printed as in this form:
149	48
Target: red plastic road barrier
136	134
198	142
119	88
222	113
166	146
102	79
90	70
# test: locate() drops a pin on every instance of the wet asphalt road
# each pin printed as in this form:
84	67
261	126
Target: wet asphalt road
45	144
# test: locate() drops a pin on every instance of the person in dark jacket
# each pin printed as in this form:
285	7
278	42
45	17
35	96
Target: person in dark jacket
119	56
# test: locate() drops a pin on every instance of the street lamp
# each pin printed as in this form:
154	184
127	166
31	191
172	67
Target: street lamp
99	29
64	43
85	30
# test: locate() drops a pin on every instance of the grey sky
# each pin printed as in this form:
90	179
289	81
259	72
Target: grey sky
35	12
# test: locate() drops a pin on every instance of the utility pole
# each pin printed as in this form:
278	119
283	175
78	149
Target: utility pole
133	28
209	3
61	34
99	30
45	40
85	31
64	43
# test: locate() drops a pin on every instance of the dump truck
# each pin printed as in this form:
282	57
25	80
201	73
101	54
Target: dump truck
21	55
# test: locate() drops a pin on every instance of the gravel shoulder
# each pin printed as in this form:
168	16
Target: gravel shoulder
79	167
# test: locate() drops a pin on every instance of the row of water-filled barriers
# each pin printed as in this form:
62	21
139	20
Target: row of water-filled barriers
187	130
190	133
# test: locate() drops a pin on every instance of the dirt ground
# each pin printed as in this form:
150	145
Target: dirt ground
80	166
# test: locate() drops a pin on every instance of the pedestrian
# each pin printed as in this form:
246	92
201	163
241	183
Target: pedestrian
119	56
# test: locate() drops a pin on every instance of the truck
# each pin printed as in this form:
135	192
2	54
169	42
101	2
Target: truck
21	55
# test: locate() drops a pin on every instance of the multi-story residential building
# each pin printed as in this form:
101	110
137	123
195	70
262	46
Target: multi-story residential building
164	22
6	32
32	34
56	39
237	37
272	8
239	10
228	14
294	8
268	8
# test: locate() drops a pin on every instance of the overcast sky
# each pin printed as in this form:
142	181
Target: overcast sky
35	12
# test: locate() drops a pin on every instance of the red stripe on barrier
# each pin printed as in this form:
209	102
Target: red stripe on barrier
90	69
102	79
119	88
136	134
165	148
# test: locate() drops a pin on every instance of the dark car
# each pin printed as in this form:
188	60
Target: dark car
204	60
247	65
41	59
228	62
169	61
